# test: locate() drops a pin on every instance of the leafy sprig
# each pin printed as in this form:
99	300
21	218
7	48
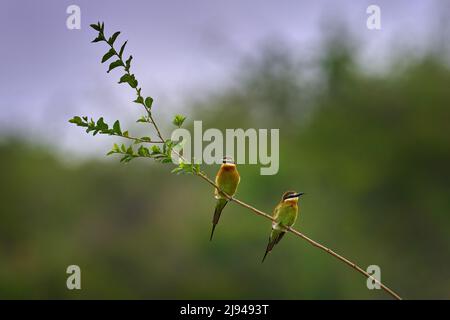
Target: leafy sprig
178	120
100	127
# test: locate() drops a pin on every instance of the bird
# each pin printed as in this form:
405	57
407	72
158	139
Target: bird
285	215
227	179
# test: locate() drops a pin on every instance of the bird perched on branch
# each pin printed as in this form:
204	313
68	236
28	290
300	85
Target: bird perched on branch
227	179
285	215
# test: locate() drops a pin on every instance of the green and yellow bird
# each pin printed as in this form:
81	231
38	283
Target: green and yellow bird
285	214
227	179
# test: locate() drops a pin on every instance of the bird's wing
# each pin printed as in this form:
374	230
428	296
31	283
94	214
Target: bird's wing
216	191
276	212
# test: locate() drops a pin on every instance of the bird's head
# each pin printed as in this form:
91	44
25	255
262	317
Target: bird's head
228	161
291	196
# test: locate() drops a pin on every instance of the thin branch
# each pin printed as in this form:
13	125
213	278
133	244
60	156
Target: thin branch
301	235
289	229
137	140
294	231
156	128
346	261
249	207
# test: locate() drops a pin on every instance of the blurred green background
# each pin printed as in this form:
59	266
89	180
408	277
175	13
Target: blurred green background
371	152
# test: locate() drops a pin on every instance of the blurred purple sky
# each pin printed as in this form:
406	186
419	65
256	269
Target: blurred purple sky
182	50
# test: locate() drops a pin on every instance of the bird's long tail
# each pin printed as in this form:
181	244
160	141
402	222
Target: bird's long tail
275	237
221	203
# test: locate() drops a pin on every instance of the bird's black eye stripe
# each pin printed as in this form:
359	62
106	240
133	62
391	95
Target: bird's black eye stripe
293	195
227	160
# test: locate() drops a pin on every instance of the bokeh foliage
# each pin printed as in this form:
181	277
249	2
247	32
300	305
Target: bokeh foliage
371	152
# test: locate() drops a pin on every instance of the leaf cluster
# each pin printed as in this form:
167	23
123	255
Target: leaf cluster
163	154
99	126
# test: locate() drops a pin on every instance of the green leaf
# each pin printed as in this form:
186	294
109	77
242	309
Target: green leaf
143	151
148	102
96	27
113	38
156	150
116	128
126	158
111	152
77	120
178	120
108	55
102	126
90	125
99	38
142	119
134	82
123	148
146	139
115	64
139	100
130	150
124	78
130	79
177	170
128	63
122	48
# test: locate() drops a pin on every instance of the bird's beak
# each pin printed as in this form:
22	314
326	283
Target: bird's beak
298	195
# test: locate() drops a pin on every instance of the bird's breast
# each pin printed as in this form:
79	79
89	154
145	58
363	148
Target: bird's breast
228	168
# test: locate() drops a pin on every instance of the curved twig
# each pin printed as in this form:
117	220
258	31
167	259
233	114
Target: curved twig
202	175
304	237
